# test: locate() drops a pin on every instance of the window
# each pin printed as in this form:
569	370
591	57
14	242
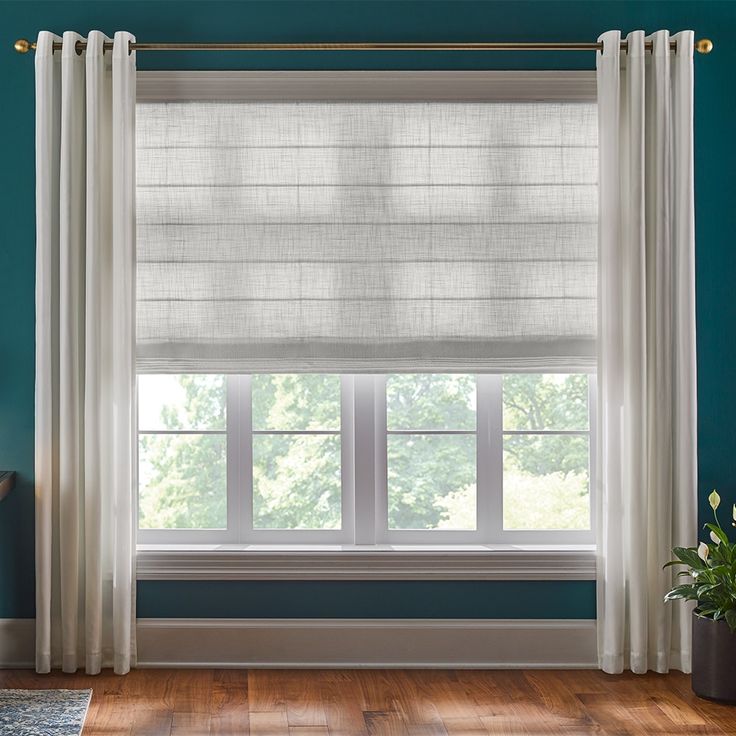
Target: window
546	452
431	439
366	307
283	458
182	452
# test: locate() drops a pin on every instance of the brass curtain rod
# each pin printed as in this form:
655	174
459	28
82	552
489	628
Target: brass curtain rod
23	46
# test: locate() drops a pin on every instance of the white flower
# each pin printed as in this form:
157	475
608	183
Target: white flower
703	551
716	539
714	500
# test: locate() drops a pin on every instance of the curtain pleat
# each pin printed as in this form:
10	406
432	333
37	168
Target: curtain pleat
84	354
647	443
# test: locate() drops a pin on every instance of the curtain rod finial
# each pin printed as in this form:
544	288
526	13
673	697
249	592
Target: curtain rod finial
23	46
704	45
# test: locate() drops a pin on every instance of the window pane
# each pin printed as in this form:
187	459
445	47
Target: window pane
545	482
182	481
431	482
533	401
296	402
184	401
296	482
430	401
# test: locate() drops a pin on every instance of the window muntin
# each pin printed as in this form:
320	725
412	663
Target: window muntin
456	458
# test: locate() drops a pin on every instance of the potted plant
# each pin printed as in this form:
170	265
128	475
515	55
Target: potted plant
712	572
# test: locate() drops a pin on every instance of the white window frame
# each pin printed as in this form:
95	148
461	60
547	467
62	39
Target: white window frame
489	435
239	459
364	473
516	554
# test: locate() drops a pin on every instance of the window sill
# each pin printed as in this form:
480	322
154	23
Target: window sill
369	562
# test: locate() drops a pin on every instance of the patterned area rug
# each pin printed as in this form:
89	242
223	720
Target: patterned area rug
43	712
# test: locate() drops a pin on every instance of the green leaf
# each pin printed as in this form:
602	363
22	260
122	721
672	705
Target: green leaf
689	556
688	592
705	612
718	532
703	589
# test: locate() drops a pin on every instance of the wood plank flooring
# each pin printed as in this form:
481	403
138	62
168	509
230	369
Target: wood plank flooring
387	703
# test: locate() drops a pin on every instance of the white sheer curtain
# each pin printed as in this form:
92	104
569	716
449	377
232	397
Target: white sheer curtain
85	337
647	412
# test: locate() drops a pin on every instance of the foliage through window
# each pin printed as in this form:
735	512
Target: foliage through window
546	450
273	458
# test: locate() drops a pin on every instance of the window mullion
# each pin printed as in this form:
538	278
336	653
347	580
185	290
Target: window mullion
490	457
366	465
483	469
347	456
244	488
232	408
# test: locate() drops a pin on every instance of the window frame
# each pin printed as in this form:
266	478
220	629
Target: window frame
364	474
361	502
239	473
490	435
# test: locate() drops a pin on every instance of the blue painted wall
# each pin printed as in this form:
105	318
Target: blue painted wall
312	20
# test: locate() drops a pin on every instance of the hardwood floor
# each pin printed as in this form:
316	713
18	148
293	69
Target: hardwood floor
387	703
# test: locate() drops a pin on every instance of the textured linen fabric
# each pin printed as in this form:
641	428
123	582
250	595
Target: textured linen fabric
85	368
647	402
365	237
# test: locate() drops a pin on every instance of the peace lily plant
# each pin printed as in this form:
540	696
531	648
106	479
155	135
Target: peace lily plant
712	568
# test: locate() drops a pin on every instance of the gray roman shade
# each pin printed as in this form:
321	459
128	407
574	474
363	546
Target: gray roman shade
366	236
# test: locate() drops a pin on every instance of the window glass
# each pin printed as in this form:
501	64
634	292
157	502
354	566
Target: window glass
296	481
296	452
182	447
181	401
430	401
431	481
534	401
296	402
431	465
546	452
182	481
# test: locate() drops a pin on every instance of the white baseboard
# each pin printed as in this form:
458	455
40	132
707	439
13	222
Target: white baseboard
431	643
483	643
17	643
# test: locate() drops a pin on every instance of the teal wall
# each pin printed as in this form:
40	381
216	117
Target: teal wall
312	20
366	599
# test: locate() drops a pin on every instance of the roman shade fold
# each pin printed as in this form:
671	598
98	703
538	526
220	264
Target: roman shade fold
366	236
